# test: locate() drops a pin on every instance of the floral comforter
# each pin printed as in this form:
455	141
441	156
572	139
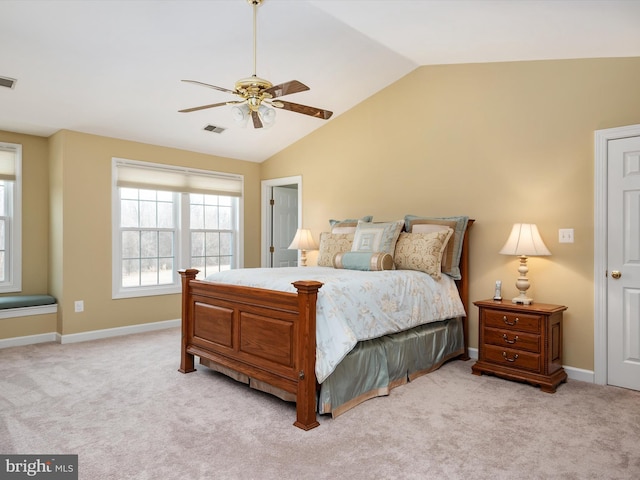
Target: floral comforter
355	305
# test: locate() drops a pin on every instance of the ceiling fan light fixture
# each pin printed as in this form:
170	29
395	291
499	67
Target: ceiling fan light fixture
240	114
267	115
254	90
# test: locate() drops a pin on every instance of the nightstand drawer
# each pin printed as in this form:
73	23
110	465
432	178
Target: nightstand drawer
521	342
512	321
511	339
513	358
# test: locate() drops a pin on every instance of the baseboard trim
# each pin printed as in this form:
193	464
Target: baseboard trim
579	374
116	332
27	340
572	372
86	336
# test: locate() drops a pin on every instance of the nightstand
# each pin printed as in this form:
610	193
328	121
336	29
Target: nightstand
521	342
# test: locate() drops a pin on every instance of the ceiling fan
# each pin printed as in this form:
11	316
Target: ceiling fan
258	94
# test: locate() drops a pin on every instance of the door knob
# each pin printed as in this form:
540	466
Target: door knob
616	274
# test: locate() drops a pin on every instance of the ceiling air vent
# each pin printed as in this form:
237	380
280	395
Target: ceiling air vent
7	82
214	129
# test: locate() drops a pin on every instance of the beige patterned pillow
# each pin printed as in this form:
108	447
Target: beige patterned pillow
422	251
332	243
451	258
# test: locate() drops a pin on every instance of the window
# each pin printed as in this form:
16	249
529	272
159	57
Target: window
168	218
148	235
212	233
10	217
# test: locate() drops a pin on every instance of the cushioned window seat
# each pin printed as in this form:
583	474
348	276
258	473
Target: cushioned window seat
25	305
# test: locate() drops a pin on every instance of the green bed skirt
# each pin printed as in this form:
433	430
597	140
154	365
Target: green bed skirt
376	366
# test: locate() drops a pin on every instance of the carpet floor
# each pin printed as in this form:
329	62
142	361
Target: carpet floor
121	405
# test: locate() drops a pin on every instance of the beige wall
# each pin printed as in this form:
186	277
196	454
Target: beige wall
67	198
35	233
500	142
86	228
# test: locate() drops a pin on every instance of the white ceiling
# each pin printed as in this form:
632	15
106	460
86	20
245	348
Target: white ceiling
113	67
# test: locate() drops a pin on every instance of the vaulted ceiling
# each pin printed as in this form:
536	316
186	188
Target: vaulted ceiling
114	67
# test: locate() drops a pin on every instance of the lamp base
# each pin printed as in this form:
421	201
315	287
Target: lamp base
522	300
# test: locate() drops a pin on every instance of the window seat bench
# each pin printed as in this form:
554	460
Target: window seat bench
26	305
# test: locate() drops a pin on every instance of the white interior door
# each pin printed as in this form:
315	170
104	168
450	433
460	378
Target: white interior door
285	224
623	262
267	221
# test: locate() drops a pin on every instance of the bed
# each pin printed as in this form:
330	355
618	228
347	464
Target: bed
282	331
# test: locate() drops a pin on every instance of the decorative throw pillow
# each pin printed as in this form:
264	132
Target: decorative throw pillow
376	237
371	261
451	258
422	251
347	226
443	225
332	243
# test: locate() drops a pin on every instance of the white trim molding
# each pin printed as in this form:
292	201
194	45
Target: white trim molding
27	340
28	311
116	332
86	336
602	137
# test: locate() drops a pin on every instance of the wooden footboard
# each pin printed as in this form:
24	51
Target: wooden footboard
264	334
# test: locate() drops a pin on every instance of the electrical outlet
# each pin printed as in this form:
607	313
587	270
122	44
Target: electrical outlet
79	306
565	235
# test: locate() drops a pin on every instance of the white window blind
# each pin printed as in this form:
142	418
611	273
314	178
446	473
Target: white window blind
176	179
7	164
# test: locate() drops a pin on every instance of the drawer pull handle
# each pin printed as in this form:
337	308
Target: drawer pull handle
506	339
515	357
505	320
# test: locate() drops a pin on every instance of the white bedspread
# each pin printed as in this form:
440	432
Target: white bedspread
355	305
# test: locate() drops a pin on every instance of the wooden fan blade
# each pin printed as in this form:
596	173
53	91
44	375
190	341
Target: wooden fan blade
222	89
257	123
304	109
202	107
294	86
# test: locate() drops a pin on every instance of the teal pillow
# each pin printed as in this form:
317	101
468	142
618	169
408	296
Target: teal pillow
368	261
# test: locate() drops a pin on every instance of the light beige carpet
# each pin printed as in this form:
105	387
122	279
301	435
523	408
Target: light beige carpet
123	407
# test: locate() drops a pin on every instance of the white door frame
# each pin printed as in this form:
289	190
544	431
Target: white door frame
266	211
602	137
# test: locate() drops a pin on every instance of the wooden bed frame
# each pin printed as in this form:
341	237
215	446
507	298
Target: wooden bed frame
265	334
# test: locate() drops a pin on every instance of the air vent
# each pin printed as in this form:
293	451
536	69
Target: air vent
7	82
214	129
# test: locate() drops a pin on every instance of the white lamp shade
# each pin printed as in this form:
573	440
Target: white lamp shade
240	114
303	240
268	115
525	240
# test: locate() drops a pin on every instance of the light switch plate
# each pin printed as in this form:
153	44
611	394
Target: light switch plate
565	235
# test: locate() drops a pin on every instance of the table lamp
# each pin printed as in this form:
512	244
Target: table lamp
303	241
524	241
